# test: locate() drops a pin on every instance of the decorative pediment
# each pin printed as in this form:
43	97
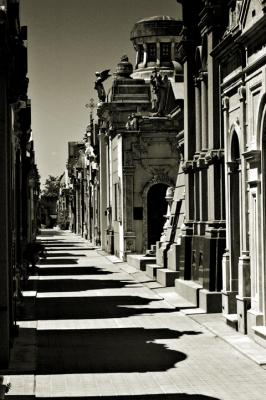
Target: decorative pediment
251	12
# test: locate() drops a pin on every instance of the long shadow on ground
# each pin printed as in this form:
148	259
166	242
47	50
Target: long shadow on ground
61	243
106	350
65	247
73	285
79	270
99	307
65	255
61	261
51	232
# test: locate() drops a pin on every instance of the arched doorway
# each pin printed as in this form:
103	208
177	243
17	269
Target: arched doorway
156	209
235	209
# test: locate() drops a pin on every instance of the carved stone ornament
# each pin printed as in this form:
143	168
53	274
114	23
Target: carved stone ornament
225	103
242	93
253	157
133	122
213	156
159	175
187	166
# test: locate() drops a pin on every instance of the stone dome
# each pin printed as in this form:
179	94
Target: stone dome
156	26
158	18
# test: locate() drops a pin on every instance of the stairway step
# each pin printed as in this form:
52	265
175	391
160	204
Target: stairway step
140	261
232	320
189	290
151	270
167	277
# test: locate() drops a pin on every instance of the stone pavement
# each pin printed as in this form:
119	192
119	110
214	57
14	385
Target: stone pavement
92	327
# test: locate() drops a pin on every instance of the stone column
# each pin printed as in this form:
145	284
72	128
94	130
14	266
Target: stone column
189	111
213	100
196	197
197	174
158	54
137	58
103	186
204	111
128	203
244	274
189	133
228	296
244	178
173	51
225	108
145	55
198	114
214	141
203	197
128	180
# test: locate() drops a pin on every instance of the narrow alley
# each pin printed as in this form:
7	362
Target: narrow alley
92	327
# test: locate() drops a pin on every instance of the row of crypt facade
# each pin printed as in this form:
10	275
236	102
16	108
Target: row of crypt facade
171	177
19	178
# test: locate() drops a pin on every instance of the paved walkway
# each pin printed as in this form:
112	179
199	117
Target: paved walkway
91	329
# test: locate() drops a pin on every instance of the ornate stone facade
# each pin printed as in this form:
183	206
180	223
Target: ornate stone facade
219	249
241	55
19	178
138	146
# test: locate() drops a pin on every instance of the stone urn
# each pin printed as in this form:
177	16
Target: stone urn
124	68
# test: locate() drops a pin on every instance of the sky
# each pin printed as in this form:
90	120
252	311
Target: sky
68	40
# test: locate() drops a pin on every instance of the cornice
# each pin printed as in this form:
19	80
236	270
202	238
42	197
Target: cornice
228	45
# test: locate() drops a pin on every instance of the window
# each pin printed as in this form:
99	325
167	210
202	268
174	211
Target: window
141	53
165	51
152	53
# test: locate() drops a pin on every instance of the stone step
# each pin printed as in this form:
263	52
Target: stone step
151	270
232	320
260	335
140	261
210	301
167	277
189	290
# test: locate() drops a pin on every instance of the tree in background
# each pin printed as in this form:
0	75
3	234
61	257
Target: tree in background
51	187
49	197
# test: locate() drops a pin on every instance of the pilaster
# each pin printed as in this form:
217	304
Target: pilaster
198	122
204	111
128	202
103	186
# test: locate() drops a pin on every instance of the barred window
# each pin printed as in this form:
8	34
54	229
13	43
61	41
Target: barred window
166	51
152	53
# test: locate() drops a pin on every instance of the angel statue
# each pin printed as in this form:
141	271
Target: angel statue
101	77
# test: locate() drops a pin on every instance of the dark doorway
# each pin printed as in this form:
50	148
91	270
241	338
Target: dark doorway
156	209
235	209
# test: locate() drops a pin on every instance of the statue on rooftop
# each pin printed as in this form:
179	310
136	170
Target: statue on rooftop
160	87
101	77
